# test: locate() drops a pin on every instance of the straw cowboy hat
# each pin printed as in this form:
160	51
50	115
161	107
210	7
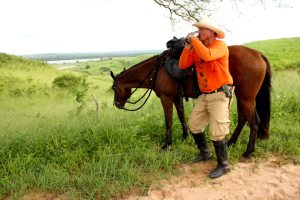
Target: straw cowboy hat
209	25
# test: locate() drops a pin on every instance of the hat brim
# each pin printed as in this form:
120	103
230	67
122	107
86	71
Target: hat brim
210	26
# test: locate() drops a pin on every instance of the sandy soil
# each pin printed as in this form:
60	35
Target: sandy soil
264	181
246	181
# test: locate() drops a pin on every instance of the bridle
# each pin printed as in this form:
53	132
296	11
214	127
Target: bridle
152	74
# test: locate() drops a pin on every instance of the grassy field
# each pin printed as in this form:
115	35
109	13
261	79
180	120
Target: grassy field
52	141
284	53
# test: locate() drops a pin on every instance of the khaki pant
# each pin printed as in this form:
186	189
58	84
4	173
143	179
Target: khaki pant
212	109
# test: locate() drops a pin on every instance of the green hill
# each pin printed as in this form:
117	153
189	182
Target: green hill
282	53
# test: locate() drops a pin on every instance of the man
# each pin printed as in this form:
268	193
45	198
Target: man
210	57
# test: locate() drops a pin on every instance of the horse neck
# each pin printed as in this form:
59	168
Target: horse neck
138	75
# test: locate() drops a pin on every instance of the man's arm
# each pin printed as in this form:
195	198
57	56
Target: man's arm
186	58
209	54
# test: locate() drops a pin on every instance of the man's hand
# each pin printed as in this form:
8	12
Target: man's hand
190	36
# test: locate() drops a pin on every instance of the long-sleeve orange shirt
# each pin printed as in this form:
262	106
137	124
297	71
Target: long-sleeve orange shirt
211	64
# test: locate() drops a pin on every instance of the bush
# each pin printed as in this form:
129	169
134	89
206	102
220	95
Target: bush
76	85
67	81
104	69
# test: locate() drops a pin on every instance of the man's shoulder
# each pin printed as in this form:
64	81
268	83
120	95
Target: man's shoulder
220	42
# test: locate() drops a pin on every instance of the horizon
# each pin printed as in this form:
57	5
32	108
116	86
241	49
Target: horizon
103	52
137	51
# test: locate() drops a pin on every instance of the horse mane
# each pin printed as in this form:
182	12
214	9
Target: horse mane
175	47
136	65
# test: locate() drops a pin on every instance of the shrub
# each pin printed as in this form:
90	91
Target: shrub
17	92
76	85
67	81
104	69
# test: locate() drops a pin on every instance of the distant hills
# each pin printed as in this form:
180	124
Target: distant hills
74	56
282	53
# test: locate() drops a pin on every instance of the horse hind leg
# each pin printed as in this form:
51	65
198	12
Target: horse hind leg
241	123
253	121
180	112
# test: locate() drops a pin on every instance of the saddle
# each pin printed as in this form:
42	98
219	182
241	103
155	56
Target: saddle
175	47
172	68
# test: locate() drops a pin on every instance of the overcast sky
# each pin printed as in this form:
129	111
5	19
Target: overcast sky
67	26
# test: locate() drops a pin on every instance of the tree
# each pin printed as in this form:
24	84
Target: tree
194	10
188	10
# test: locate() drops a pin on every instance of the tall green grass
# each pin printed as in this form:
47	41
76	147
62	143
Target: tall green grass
46	146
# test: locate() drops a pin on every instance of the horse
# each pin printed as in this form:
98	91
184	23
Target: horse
251	74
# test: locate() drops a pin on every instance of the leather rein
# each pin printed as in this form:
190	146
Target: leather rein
153	74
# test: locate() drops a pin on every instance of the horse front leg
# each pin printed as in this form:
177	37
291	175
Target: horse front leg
180	112
167	104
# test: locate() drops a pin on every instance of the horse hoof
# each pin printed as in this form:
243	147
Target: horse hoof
247	155
184	137
229	143
165	147
245	160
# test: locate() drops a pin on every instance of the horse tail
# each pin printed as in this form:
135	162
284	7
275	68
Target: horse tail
263	103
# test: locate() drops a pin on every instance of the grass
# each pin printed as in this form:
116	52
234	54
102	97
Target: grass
46	146
283	53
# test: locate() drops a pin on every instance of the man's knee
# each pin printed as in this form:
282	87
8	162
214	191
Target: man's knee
218	131
195	126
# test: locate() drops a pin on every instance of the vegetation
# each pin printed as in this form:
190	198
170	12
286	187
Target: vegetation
52	141
283	53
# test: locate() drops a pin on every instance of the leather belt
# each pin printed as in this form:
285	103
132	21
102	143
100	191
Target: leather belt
215	91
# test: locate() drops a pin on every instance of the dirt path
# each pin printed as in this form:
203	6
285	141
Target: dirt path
264	181
246	181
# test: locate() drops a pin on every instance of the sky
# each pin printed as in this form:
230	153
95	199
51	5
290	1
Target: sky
70	26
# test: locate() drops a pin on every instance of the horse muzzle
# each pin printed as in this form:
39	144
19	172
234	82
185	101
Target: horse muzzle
118	105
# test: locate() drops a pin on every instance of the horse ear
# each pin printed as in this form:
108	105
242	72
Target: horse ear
124	69
112	75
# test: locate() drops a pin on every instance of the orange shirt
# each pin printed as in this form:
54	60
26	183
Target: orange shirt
211	64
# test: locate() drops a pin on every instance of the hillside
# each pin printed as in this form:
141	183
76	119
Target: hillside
283	53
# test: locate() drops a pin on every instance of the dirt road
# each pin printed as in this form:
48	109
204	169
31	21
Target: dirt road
246	181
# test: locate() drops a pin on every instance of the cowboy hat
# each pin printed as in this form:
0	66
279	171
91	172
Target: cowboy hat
209	25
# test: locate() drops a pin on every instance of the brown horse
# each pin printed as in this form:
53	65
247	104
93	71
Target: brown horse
252	79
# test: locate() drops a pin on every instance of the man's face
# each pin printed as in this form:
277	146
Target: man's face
205	34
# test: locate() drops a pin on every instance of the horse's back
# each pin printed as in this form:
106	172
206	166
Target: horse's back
247	68
243	55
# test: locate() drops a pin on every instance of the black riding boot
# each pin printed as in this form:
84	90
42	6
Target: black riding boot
202	145
222	156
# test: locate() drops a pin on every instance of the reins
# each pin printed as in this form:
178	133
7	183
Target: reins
153	74
137	89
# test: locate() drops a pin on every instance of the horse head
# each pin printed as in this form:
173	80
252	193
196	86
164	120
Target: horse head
121	93
175	47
